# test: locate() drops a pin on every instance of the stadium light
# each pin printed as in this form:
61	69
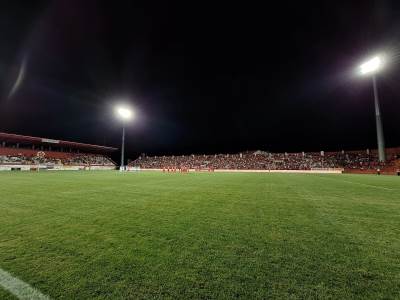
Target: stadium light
125	114
372	67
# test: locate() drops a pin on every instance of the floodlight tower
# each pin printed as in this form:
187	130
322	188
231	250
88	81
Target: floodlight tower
125	114
372	67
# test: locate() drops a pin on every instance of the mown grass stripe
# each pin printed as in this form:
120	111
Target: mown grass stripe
18	288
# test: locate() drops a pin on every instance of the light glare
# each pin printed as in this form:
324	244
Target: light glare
124	113
371	66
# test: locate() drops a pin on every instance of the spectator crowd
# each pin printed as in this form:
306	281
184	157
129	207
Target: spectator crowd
260	160
72	160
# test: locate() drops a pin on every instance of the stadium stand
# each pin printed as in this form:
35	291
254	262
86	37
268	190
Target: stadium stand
18	152
349	161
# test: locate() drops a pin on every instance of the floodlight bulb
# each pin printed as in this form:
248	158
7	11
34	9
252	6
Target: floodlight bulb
124	113
371	66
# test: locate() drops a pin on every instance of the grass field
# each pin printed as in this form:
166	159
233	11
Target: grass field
107	235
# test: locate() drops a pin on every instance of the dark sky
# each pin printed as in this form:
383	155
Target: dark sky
203	77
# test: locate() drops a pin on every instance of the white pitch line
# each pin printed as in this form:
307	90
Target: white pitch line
369	185
18	288
359	183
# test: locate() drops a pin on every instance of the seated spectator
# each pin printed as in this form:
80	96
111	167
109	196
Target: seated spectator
259	160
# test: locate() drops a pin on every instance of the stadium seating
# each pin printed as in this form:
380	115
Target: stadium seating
32	157
259	160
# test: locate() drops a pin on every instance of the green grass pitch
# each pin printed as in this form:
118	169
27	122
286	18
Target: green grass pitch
107	235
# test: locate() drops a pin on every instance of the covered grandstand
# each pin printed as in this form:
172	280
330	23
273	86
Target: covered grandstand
20	152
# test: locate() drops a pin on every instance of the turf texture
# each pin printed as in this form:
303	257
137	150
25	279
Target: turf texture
111	235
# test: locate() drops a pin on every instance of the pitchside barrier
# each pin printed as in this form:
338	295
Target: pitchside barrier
313	171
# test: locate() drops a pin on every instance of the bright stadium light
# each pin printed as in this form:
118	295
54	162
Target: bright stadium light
125	114
371	66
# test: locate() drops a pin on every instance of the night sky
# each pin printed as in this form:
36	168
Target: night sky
203	77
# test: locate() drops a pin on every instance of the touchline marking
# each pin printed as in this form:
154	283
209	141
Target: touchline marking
359	183
370	185
18	288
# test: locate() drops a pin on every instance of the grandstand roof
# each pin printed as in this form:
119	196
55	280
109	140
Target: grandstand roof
16	138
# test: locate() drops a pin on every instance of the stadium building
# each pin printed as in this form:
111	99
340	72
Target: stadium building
19	152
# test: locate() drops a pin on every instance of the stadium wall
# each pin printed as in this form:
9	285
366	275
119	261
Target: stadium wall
314	171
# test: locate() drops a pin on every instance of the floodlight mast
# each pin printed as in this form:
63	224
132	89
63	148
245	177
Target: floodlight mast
122	167
124	114
372	67
379	127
